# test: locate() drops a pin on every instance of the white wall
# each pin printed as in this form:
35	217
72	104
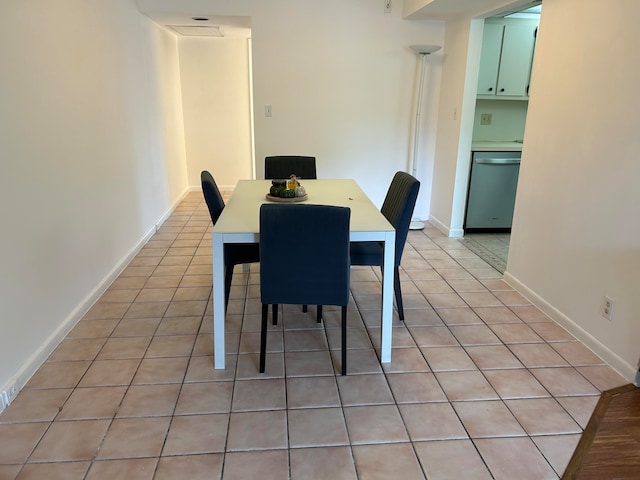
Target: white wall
576	235
455	123
341	80
217	109
92	158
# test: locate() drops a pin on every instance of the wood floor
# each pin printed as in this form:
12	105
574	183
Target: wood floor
610	445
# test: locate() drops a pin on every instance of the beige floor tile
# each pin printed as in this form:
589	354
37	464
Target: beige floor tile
433	336
499	455
542	416
425	317
266	465
364	390
496	315
35	405
93	328
445	300
431	421
557	449
125	347
208	397
466	385
92	403
134	438
451	459
375	424
382	462
448	358
564	381
459	316
71	349
24	438
179	326
537	355
529	314
580	408
171	346
192	467
406	360
58	375
474	335
131	469
488	419
257	431
304	364
322	462
515	383
552	332
109	373
253	395
317	427
310	392
488	357
149	400
74	440
136	327
53	471
602	376
515	333
193	434
415	388
161	370
249	365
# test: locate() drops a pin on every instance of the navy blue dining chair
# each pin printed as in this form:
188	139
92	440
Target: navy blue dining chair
310	269
234	253
283	166
397	208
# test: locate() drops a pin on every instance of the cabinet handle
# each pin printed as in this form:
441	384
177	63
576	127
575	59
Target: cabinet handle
502	89
491	89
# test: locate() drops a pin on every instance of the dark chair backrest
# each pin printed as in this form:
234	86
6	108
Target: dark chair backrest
283	166
212	195
398	207
304	254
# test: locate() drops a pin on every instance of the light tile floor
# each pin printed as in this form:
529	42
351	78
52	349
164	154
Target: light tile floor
481	383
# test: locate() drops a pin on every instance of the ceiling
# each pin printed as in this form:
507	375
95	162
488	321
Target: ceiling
203	25
448	9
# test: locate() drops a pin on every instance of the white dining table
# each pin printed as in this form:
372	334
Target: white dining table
240	223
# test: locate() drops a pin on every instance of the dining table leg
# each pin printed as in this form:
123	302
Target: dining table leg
217	247
387	297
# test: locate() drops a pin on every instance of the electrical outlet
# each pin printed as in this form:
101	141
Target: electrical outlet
607	307
485	119
10	394
387	6
267	110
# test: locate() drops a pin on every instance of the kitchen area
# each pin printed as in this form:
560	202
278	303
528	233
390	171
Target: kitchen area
506	60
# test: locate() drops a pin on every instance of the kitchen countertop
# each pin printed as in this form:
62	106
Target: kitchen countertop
496	146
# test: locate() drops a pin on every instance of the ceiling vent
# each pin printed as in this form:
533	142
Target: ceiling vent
197	30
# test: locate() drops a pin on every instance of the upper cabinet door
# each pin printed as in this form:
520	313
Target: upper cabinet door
515	60
490	58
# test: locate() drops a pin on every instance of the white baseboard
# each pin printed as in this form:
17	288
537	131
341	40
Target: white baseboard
35	361
453	233
611	358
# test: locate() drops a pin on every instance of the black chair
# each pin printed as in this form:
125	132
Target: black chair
234	253
283	166
321	260
397	208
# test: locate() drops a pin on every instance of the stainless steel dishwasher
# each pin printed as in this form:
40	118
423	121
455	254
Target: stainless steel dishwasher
492	190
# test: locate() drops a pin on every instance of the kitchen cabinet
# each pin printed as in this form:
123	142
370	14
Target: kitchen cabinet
505	60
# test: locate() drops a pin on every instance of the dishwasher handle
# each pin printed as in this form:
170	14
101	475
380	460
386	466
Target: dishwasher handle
497	161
